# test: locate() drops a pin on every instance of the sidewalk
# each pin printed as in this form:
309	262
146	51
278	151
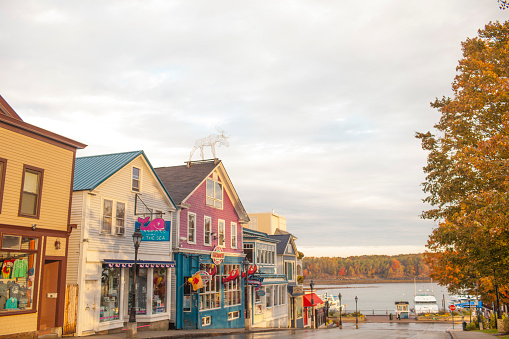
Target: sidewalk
460	334
187	333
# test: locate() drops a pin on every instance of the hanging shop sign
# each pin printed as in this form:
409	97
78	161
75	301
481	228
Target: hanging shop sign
260	293
217	255
155	230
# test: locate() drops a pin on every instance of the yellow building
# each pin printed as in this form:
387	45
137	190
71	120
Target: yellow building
36	179
267	222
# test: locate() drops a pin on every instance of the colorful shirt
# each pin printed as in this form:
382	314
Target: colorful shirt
20	269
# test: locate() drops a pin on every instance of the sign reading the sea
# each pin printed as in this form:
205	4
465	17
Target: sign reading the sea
155	230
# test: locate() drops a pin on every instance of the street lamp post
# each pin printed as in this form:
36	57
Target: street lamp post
469	307
356	314
340	311
248	298
132	330
311	284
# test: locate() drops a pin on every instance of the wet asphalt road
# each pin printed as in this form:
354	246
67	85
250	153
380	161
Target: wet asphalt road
365	331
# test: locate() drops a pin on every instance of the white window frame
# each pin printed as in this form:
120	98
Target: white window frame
233	235
114	218
219	233
206	321
211	200
292	263
205	233
139	179
231	289
189	214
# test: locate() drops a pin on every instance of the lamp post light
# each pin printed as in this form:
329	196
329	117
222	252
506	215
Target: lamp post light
132	326
248	297
312	284
356	314
340	311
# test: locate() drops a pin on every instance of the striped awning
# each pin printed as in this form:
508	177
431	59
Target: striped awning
141	263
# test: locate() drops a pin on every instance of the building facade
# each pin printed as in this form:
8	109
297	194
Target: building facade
36	178
209	290
269	303
113	195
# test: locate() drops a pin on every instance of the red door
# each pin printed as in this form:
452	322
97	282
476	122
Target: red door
49	294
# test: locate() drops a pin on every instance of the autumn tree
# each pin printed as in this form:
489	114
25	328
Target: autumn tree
467	182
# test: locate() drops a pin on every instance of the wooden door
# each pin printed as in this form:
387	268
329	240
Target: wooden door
49	294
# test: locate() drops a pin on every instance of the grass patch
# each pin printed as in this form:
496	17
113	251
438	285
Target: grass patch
494	331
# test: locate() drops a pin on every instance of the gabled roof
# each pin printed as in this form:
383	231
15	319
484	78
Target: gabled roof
283	242
7	110
91	171
182	181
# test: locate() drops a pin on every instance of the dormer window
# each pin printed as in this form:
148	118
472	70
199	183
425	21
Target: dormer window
136	180
214	194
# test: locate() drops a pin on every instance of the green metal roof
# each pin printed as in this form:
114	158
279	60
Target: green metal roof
91	171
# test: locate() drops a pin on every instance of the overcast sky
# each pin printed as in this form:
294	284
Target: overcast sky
321	99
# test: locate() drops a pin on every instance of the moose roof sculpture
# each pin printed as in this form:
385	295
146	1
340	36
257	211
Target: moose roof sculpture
211	141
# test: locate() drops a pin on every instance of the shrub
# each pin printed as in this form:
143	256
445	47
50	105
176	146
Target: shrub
505	323
471	326
493	320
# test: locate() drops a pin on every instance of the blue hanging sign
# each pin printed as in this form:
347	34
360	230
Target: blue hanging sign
155	230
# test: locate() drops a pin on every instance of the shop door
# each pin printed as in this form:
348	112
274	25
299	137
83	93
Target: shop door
190	306
49	295
89	308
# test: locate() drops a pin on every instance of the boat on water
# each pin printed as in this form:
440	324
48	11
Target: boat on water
333	300
425	301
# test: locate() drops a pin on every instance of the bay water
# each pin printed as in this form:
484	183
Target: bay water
379	299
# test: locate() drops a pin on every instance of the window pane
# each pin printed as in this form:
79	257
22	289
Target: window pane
29	203
120	213
191	228
136	179
107	211
219	191
210	188
110	292
159	298
136	173
31	183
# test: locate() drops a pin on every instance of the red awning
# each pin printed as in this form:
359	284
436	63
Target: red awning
307	300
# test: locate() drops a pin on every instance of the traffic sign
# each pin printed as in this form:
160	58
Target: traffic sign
452	308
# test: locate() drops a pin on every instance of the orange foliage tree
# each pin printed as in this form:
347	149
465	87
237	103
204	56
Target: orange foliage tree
467	169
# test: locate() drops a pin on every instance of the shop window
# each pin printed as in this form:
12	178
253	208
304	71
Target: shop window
18	258
268	296
3	163
191	228
220	232
136	179
113	217
205	321
141	291
30	202
233	315
282	294
232	293
110	301
207	229
159	289
214	194
298	307
210	293
233	235
187	295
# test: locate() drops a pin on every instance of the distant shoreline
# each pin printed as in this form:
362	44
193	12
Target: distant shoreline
339	282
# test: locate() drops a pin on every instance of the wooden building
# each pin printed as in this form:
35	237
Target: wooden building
36	179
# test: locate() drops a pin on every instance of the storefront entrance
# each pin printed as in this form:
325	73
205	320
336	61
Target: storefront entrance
49	294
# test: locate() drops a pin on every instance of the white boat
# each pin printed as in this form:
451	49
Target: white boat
425	304
425	301
465	300
333	302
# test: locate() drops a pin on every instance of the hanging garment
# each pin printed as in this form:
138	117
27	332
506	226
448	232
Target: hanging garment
11	303
20	269
7	268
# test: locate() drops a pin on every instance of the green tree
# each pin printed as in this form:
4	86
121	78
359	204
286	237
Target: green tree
467	169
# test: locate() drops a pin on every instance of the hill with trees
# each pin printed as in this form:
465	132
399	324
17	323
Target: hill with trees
376	267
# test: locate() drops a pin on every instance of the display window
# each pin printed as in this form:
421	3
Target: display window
141	291
232	292
110	301
159	289
18	262
210	293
